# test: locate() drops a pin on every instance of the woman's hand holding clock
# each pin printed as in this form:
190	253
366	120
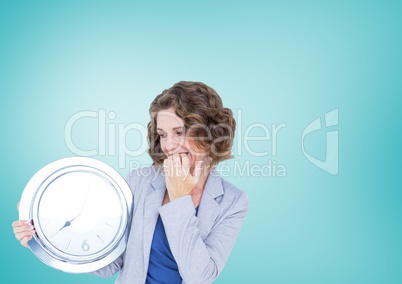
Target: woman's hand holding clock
23	230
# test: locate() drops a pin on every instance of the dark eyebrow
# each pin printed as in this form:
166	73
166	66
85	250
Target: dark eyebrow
178	127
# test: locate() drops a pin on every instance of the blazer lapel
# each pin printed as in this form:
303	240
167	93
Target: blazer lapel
209	208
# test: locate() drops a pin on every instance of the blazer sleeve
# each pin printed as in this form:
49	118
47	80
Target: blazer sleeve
201	261
110	269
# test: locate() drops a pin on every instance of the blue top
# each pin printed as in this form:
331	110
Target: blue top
162	266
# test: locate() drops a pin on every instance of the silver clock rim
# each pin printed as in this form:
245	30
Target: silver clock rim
39	247
46	244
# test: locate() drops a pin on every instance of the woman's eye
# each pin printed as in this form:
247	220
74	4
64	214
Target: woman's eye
179	133
161	135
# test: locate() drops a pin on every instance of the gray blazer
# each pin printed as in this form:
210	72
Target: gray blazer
200	244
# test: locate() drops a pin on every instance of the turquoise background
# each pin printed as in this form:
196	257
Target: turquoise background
275	62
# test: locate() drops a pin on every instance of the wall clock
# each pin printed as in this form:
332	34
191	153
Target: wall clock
81	210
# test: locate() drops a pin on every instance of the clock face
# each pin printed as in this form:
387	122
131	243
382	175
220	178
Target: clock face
81	210
79	215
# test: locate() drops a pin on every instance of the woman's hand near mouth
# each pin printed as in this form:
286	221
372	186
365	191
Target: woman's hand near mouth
179	179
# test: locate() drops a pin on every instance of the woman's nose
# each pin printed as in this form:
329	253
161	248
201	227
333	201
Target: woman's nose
172	144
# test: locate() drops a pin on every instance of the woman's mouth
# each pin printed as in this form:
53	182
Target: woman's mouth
180	153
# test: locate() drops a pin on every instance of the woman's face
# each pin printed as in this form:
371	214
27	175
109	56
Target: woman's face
173	139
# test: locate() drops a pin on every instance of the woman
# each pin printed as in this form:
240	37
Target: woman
186	217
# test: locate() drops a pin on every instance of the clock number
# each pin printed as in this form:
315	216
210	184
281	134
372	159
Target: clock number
68	245
85	246
100	238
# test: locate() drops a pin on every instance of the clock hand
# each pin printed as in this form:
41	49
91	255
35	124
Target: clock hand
68	223
85	199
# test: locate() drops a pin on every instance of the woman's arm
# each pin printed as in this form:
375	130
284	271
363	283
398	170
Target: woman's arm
111	269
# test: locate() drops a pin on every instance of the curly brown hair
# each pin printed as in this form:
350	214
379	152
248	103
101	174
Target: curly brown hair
205	120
